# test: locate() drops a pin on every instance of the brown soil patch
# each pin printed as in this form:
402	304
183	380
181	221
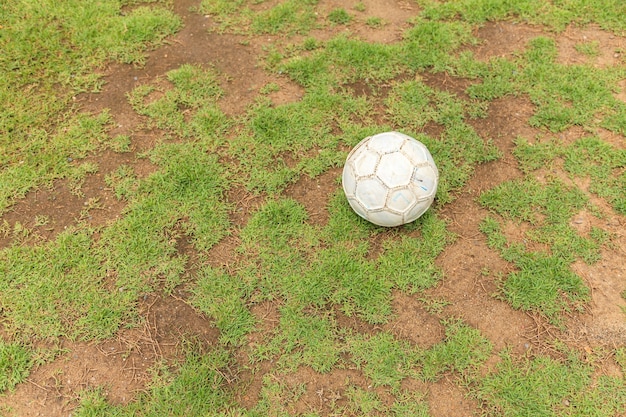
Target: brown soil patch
606	49
504	39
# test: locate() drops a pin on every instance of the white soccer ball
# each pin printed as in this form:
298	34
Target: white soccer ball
390	179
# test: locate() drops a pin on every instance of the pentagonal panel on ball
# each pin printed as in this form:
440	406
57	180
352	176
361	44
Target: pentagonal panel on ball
365	162
371	193
394	169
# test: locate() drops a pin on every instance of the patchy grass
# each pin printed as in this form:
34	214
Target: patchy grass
331	285
196	388
544	281
51	52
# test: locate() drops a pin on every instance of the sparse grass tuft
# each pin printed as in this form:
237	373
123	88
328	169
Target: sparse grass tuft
339	16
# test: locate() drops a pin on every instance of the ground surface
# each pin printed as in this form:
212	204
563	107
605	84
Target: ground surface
122	364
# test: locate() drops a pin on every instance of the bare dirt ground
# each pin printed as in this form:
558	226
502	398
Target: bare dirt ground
122	365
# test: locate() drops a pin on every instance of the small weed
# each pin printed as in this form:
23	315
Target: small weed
120	143
77	175
269	88
360	7
123	182
410	404
435	306
363	402
41	220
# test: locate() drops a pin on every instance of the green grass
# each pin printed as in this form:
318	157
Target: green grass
183	200
546	387
588	157
58	289
463	350
286	259
564	95
339	16
555	16
330	286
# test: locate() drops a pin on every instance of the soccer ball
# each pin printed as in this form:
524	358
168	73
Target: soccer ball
390	179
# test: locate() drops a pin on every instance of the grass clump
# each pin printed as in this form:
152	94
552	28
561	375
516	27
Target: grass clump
16	362
225	300
192	90
587	157
564	95
387	361
339	16
291	16
303	338
427	45
48	157
412	273
279	144
383	358
463	350
555	15
288	17
431	44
